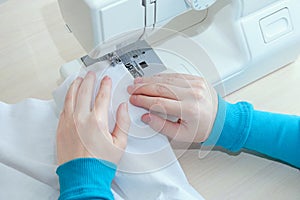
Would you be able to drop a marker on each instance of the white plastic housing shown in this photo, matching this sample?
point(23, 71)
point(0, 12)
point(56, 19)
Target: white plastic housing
point(95, 21)
point(244, 39)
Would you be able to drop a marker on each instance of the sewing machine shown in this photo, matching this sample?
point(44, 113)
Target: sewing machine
point(229, 42)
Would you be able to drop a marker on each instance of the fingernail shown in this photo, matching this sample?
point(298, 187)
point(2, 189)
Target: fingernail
point(106, 78)
point(146, 118)
point(132, 98)
point(78, 78)
point(90, 73)
point(138, 80)
point(130, 89)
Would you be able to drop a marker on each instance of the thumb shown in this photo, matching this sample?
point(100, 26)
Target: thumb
point(120, 132)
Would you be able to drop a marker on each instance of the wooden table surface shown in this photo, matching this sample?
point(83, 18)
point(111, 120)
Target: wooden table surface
point(34, 43)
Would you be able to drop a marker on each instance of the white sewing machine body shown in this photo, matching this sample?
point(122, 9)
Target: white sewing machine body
point(239, 40)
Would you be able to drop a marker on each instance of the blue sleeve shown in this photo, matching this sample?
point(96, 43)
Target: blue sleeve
point(86, 178)
point(239, 126)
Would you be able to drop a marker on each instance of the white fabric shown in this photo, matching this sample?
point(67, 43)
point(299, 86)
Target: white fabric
point(148, 169)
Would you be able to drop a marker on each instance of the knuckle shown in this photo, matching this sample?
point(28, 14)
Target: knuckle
point(160, 89)
point(200, 83)
point(192, 111)
point(101, 122)
point(158, 101)
point(199, 95)
point(144, 89)
point(169, 80)
point(179, 75)
point(102, 95)
point(196, 94)
point(137, 88)
point(79, 118)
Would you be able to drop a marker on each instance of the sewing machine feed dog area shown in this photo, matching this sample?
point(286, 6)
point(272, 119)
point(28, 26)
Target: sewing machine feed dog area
point(138, 58)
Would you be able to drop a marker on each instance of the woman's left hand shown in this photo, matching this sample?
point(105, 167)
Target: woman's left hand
point(189, 98)
point(83, 130)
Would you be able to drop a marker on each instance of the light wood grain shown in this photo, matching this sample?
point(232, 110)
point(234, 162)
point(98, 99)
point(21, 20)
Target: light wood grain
point(34, 44)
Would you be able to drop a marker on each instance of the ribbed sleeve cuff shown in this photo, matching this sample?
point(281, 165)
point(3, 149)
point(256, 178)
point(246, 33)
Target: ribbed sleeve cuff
point(218, 124)
point(86, 178)
point(232, 125)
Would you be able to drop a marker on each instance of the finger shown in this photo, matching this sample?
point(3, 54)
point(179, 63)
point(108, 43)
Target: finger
point(103, 98)
point(70, 99)
point(169, 80)
point(85, 93)
point(158, 90)
point(157, 104)
point(161, 125)
point(121, 129)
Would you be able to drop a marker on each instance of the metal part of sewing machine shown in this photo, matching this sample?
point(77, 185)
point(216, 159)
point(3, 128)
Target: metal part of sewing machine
point(242, 40)
point(138, 58)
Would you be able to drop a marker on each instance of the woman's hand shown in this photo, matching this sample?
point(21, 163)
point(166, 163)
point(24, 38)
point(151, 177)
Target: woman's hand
point(83, 130)
point(189, 98)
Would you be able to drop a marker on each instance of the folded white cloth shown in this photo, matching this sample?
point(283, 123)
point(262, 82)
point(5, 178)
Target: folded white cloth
point(148, 169)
